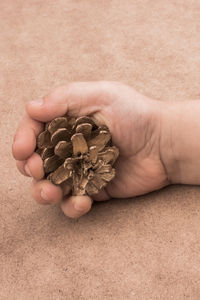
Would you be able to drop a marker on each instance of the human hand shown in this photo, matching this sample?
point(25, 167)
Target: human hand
point(134, 123)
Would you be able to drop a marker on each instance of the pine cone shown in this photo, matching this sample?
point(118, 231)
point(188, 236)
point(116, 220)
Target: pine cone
point(77, 153)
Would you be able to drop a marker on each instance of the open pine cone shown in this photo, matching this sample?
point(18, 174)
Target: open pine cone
point(77, 153)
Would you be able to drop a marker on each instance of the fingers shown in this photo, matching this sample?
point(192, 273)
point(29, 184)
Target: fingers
point(20, 166)
point(25, 139)
point(44, 192)
point(81, 98)
point(32, 167)
point(76, 206)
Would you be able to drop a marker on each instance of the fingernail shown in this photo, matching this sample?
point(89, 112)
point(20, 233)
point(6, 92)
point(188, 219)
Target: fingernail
point(27, 170)
point(37, 102)
point(44, 196)
point(78, 208)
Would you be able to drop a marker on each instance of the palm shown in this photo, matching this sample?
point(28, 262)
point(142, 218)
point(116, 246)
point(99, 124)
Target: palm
point(136, 177)
point(139, 169)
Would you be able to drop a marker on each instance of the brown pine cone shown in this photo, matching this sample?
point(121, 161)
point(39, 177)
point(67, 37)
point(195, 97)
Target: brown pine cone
point(77, 153)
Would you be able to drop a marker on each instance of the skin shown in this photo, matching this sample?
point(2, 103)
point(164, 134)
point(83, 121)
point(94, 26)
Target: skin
point(143, 129)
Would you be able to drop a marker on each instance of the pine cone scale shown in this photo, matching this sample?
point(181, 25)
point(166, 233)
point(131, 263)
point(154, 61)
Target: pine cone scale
point(100, 140)
point(47, 152)
point(44, 140)
point(85, 129)
point(109, 156)
point(104, 169)
point(57, 123)
point(93, 154)
point(79, 144)
point(63, 149)
point(108, 176)
point(91, 189)
point(84, 119)
point(61, 134)
point(60, 175)
point(52, 163)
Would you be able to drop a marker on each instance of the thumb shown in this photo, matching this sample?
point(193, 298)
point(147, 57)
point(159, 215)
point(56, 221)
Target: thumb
point(75, 99)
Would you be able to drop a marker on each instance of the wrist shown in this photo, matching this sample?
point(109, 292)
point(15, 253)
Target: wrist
point(179, 142)
point(169, 117)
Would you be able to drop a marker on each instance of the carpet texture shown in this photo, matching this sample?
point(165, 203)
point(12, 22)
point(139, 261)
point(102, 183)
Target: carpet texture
point(142, 248)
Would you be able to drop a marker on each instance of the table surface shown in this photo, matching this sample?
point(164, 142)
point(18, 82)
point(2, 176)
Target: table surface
point(142, 248)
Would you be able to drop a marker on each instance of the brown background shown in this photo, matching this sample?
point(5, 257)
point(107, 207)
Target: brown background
point(143, 248)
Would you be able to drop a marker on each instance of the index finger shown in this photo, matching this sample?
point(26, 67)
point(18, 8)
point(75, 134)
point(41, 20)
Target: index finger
point(75, 99)
point(24, 142)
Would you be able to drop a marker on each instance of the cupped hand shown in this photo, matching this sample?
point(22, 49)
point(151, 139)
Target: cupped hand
point(134, 122)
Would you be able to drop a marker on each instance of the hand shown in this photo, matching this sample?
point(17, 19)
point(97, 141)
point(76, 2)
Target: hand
point(134, 122)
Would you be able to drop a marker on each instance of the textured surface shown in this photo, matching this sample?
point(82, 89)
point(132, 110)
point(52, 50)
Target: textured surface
point(143, 248)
